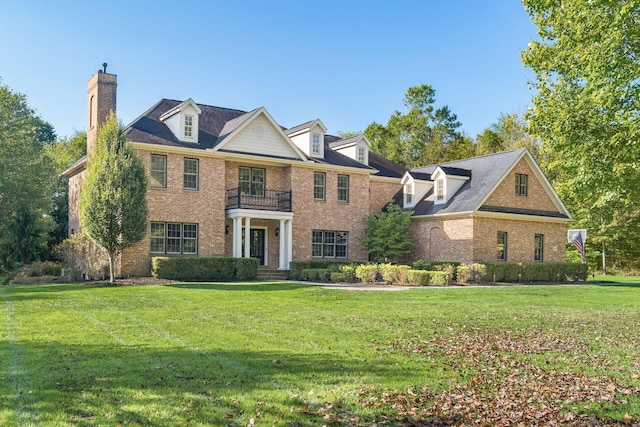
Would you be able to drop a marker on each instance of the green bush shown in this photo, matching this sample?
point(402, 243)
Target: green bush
point(42, 268)
point(439, 278)
point(367, 273)
point(296, 267)
point(470, 273)
point(316, 274)
point(349, 272)
point(448, 267)
point(338, 277)
point(418, 277)
point(204, 268)
point(394, 273)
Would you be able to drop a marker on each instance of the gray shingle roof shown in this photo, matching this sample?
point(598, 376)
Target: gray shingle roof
point(485, 173)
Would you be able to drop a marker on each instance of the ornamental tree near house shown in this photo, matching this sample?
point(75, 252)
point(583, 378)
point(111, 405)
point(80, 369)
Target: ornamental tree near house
point(113, 208)
point(387, 233)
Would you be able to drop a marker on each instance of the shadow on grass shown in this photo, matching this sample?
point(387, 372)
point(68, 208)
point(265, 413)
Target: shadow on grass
point(160, 386)
point(619, 284)
point(244, 286)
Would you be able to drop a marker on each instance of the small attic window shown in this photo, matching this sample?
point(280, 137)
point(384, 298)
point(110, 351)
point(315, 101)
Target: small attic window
point(188, 126)
point(439, 190)
point(362, 151)
point(408, 194)
point(315, 144)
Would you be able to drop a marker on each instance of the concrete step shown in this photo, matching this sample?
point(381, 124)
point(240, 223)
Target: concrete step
point(268, 274)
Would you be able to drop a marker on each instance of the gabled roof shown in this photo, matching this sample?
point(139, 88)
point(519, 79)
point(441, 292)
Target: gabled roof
point(349, 141)
point(486, 173)
point(305, 126)
point(386, 168)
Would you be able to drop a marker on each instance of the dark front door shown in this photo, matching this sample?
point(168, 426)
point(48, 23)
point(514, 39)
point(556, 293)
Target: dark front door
point(257, 244)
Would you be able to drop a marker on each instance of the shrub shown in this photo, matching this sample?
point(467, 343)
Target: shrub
point(349, 272)
point(418, 277)
point(367, 273)
point(470, 273)
point(439, 278)
point(394, 273)
point(338, 277)
point(448, 267)
point(514, 272)
point(42, 268)
point(316, 274)
point(204, 268)
point(296, 267)
point(83, 257)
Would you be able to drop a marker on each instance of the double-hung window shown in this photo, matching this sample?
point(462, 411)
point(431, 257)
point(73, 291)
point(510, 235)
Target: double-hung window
point(158, 170)
point(252, 181)
point(188, 126)
point(521, 184)
point(538, 247)
point(502, 246)
point(319, 185)
point(361, 154)
point(439, 189)
point(191, 174)
point(329, 244)
point(343, 188)
point(315, 144)
point(174, 238)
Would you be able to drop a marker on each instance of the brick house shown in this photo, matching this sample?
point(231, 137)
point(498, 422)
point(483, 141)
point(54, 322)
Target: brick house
point(236, 183)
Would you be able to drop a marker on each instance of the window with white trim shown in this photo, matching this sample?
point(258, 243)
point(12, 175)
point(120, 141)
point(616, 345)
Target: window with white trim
point(361, 154)
point(191, 174)
point(439, 189)
point(343, 188)
point(158, 170)
point(319, 185)
point(174, 238)
point(315, 144)
point(408, 194)
point(188, 126)
point(329, 244)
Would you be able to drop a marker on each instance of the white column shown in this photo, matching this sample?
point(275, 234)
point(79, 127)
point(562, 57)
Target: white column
point(289, 242)
point(237, 237)
point(283, 234)
point(247, 237)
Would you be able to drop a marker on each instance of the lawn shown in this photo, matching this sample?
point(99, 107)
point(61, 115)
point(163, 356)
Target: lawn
point(287, 354)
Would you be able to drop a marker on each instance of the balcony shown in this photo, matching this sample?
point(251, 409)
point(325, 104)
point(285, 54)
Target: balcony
point(272, 200)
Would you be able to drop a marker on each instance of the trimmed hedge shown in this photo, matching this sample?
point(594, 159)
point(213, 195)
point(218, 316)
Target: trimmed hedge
point(418, 277)
point(296, 267)
point(215, 269)
point(316, 274)
point(527, 272)
point(448, 267)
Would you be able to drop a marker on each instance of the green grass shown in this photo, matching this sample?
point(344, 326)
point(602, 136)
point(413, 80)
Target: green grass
point(616, 279)
point(287, 354)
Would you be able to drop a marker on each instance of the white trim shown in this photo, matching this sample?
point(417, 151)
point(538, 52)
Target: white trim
point(278, 129)
point(317, 122)
point(258, 214)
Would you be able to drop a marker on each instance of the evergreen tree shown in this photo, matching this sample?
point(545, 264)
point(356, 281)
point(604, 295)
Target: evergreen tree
point(387, 233)
point(113, 208)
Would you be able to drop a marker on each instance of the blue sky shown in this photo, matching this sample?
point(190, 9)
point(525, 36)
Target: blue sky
point(348, 63)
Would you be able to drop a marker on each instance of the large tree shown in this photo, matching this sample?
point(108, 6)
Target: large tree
point(587, 113)
point(509, 132)
point(113, 208)
point(25, 179)
point(386, 235)
point(420, 136)
point(62, 153)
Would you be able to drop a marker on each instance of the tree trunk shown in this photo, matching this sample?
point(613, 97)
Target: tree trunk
point(604, 260)
point(111, 266)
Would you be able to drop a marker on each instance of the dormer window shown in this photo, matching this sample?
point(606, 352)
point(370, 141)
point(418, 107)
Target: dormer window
point(188, 126)
point(439, 190)
point(315, 144)
point(408, 194)
point(361, 154)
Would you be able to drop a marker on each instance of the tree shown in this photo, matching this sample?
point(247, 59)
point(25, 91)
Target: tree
point(420, 136)
point(509, 132)
point(62, 153)
point(586, 112)
point(25, 178)
point(387, 233)
point(113, 208)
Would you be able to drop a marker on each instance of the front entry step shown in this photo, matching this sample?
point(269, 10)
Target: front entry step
point(269, 274)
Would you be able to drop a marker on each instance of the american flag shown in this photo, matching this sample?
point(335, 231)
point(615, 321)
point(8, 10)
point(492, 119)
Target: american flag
point(579, 245)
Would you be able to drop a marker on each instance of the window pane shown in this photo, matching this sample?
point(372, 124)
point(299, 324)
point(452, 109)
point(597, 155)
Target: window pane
point(341, 244)
point(173, 238)
point(502, 246)
point(157, 237)
point(191, 174)
point(158, 171)
point(343, 188)
point(319, 179)
point(190, 238)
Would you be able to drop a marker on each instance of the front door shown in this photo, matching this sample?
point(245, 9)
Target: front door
point(256, 244)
